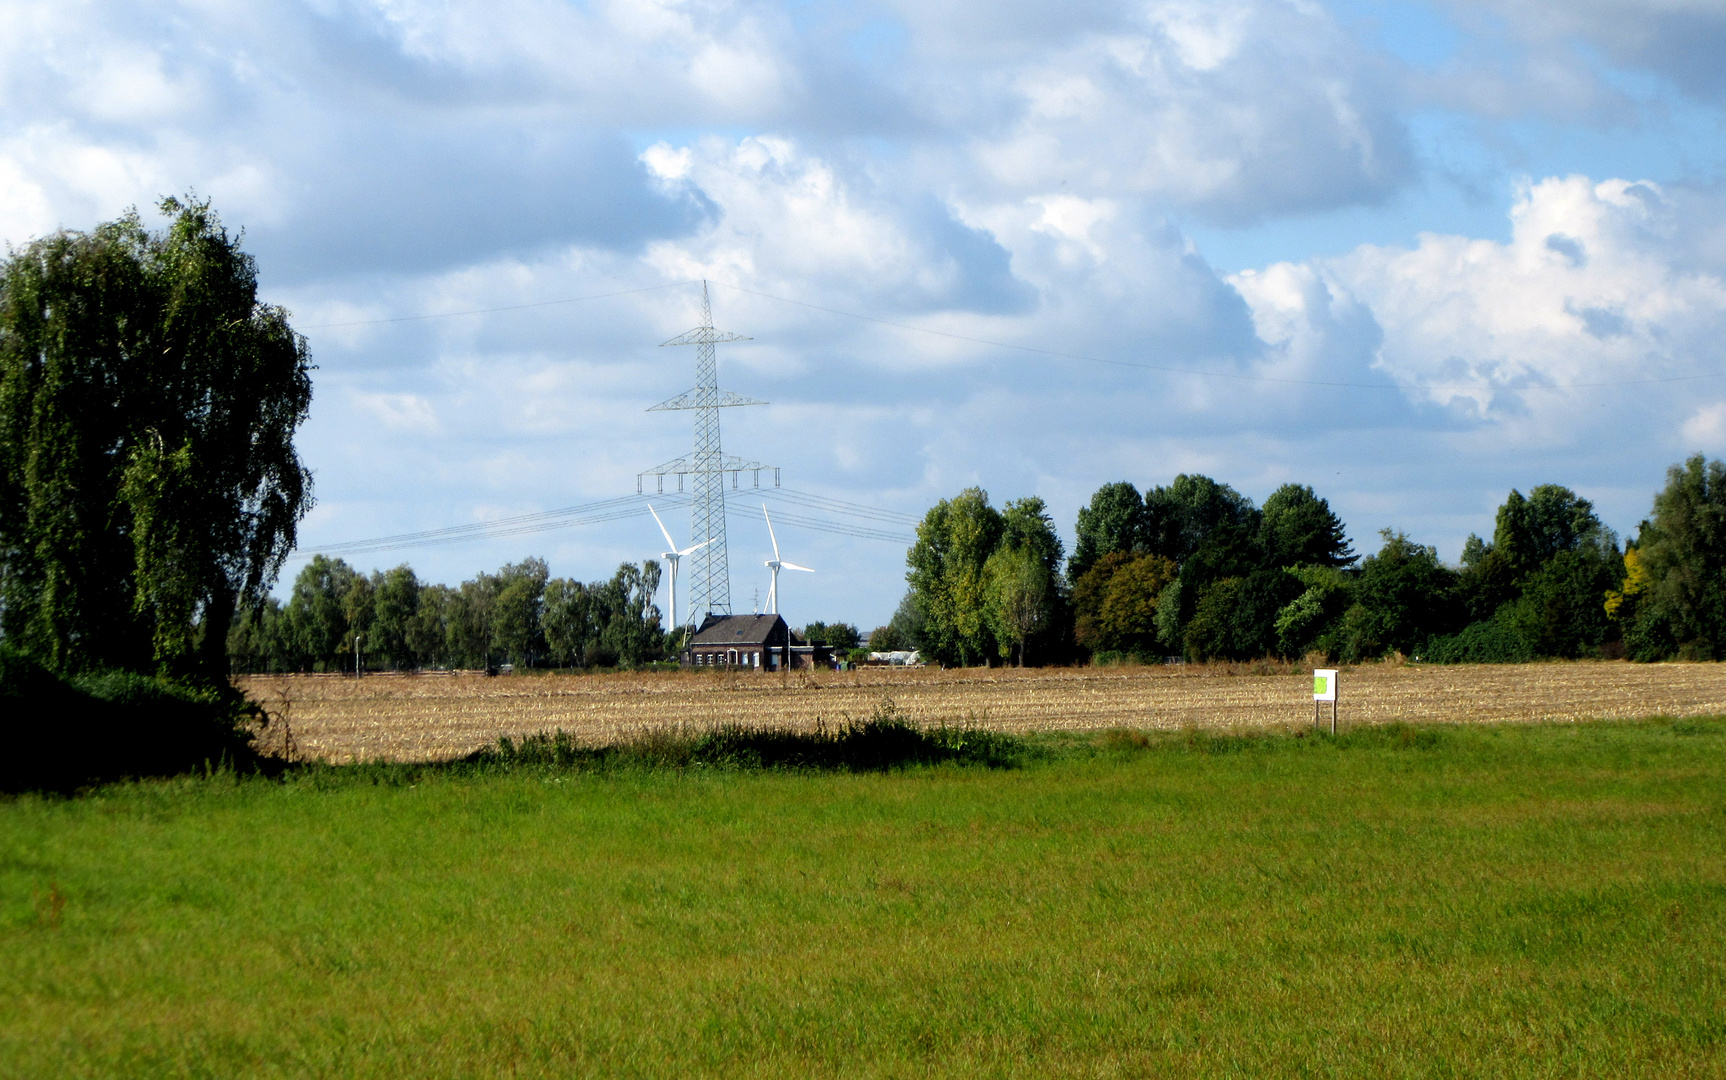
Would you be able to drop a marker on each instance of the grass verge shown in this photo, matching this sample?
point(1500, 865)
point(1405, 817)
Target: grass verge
point(1517, 900)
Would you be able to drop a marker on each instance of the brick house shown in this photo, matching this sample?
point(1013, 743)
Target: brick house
point(756, 642)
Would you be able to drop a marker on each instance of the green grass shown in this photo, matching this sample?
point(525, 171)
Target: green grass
point(1515, 901)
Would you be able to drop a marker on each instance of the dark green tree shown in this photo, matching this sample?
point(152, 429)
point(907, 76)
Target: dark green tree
point(1543, 579)
point(568, 622)
point(1405, 597)
point(515, 626)
point(836, 635)
point(904, 631)
point(317, 622)
point(1551, 519)
point(1114, 522)
point(395, 602)
point(1682, 552)
point(428, 632)
point(148, 478)
point(1180, 518)
point(1297, 528)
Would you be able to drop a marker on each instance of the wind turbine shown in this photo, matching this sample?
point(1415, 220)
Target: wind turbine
point(776, 565)
point(671, 557)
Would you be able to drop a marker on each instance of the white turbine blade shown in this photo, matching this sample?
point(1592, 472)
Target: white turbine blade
point(693, 547)
point(770, 535)
point(794, 566)
point(669, 542)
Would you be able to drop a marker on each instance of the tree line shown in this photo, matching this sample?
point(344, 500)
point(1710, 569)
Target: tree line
point(519, 615)
point(1196, 571)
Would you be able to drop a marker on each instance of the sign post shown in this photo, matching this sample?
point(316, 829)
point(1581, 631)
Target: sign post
point(1324, 689)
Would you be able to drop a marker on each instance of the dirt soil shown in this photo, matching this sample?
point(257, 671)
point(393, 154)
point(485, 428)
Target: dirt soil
point(435, 716)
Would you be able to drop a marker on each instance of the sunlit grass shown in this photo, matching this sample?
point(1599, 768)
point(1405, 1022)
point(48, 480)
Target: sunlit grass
point(1460, 901)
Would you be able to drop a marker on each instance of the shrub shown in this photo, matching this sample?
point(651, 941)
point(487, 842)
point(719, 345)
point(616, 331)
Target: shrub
point(1486, 642)
point(61, 734)
point(883, 741)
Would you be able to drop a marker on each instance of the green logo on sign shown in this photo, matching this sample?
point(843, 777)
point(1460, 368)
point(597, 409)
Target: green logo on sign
point(1318, 684)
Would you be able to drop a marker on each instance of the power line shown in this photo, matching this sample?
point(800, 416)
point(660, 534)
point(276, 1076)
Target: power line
point(840, 506)
point(495, 310)
point(482, 526)
point(629, 506)
point(837, 528)
point(590, 514)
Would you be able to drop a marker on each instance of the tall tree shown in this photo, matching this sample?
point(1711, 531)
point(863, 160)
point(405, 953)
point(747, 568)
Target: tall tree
point(1297, 528)
point(515, 625)
point(568, 621)
point(317, 621)
point(148, 478)
point(1682, 550)
point(395, 601)
point(428, 633)
point(1181, 518)
point(1020, 597)
point(629, 627)
point(1407, 596)
point(1114, 522)
point(954, 541)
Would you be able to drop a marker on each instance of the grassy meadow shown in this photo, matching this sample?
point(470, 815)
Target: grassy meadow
point(1504, 900)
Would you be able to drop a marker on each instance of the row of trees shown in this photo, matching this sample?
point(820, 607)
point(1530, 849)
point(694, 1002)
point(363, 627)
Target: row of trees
point(519, 615)
point(1196, 570)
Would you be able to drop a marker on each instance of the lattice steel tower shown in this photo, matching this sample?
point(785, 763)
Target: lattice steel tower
point(710, 580)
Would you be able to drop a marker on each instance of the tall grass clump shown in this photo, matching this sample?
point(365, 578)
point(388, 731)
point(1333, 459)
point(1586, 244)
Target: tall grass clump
point(882, 741)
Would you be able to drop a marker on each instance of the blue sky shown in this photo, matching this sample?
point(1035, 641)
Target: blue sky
point(1413, 254)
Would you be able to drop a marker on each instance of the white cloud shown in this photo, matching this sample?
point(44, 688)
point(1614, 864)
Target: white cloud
point(1235, 110)
point(1706, 428)
point(1587, 290)
point(1679, 40)
point(400, 412)
point(1016, 172)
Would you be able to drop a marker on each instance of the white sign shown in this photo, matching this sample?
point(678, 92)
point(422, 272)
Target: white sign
point(1324, 684)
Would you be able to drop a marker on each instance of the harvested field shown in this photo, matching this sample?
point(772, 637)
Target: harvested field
point(435, 716)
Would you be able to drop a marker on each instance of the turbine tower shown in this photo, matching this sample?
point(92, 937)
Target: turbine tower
point(710, 580)
point(671, 557)
point(775, 565)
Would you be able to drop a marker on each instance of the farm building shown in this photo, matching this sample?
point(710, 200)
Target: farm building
point(758, 642)
point(762, 642)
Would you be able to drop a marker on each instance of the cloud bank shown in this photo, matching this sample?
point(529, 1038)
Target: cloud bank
point(961, 238)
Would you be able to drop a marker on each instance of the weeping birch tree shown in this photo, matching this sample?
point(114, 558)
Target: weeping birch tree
point(149, 485)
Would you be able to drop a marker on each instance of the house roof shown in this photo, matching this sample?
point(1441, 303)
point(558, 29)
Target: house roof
point(736, 630)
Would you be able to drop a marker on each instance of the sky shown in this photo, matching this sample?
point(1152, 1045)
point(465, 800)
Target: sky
point(1414, 254)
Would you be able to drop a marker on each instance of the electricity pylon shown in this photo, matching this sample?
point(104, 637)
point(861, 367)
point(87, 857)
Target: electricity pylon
point(710, 578)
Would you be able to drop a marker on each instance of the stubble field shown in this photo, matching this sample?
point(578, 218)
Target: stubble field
point(439, 716)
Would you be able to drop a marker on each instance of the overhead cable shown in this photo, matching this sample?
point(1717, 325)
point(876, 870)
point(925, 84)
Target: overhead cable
point(495, 310)
point(840, 506)
point(611, 510)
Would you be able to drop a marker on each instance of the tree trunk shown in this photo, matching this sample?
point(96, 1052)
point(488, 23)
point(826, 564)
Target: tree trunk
point(212, 660)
